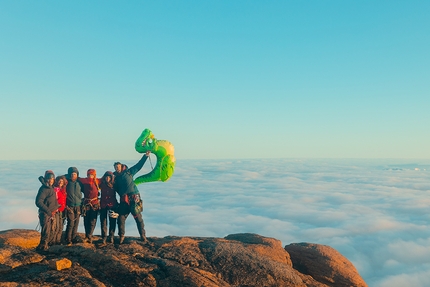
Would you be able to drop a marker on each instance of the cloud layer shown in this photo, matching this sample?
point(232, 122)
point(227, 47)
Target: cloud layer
point(375, 212)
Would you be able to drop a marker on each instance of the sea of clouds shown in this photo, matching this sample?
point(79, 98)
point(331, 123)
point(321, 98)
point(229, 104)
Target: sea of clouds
point(374, 212)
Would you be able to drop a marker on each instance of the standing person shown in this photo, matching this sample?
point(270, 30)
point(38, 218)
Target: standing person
point(130, 200)
point(48, 205)
point(73, 204)
point(108, 206)
point(91, 204)
point(60, 191)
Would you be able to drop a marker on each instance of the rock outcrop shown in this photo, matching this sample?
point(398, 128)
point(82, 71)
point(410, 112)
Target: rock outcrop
point(236, 260)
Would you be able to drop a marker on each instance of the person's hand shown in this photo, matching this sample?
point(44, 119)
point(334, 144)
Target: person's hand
point(148, 153)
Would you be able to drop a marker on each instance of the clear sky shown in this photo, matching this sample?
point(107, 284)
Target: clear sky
point(219, 79)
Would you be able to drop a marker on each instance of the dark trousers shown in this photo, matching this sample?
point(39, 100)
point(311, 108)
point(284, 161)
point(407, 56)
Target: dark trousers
point(46, 233)
point(90, 221)
point(73, 214)
point(103, 222)
point(59, 225)
point(124, 211)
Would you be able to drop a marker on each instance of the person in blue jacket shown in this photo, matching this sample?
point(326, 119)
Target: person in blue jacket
point(130, 200)
point(73, 204)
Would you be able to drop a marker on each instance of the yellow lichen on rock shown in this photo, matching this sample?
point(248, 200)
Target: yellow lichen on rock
point(20, 237)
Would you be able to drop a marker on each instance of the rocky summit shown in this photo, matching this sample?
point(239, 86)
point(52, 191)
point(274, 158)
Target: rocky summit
point(235, 260)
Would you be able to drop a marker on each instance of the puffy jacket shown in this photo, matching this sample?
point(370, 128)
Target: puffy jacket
point(46, 200)
point(74, 189)
point(108, 195)
point(90, 188)
point(124, 183)
point(61, 197)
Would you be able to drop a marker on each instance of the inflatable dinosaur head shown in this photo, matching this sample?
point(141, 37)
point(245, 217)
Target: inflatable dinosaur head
point(146, 142)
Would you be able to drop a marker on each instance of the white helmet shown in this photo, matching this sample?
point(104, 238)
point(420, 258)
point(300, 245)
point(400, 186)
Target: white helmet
point(112, 214)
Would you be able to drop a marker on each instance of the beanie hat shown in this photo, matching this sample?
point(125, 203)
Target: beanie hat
point(49, 174)
point(91, 171)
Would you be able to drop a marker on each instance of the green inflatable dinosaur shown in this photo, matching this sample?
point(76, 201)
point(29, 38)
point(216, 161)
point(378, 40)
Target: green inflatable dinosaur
point(164, 151)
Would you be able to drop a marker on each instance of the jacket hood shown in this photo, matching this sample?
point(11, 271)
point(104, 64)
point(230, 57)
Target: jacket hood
point(43, 181)
point(108, 173)
point(71, 170)
point(49, 174)
point(57, 179)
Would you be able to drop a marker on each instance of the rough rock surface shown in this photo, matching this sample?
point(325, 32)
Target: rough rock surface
point(324, 264)
point(236, 260)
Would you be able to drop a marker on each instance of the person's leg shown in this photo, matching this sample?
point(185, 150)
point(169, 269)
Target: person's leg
point(70, 224)
point(92, 222)
point(112, 225)
point(103, 223)
point(121, 227)
point(56, 236)
point(60, 227)
point(45, 224)
point(140, 227)
point(86, 224)
point(77, 214)
point(123, 211)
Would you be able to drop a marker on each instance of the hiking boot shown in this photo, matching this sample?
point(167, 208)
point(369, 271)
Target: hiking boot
point(121, 239)
point(143, 239)
point(104, 240)
point(110, 239)
point(88, 240)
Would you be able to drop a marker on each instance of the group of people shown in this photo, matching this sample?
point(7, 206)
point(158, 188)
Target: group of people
point(68, 197)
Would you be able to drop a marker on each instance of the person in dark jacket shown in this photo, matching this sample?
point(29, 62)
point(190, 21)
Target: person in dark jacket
point(73, 204)
point(47, 203)
point(91, 204)
point(108, 206)
point(130, 200)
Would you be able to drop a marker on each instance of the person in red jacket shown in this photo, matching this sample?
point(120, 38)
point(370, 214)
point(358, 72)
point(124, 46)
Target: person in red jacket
point(108, 207)
point(60, 191)
point(91, 203)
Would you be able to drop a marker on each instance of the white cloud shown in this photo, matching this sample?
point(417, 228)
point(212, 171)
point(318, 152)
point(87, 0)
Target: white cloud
point(412, 279)
point(375, 216)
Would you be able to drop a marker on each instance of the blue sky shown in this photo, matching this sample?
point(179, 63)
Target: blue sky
point(219, 79)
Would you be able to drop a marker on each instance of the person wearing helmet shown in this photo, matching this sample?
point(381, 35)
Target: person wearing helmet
point(108, 207)
point(130, 200)
point(91, 204)
point(48, 206)
point(74, 191)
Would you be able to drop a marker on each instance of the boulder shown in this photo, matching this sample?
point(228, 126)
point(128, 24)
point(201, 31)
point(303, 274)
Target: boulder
point(324, 264)
point(60, 264)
